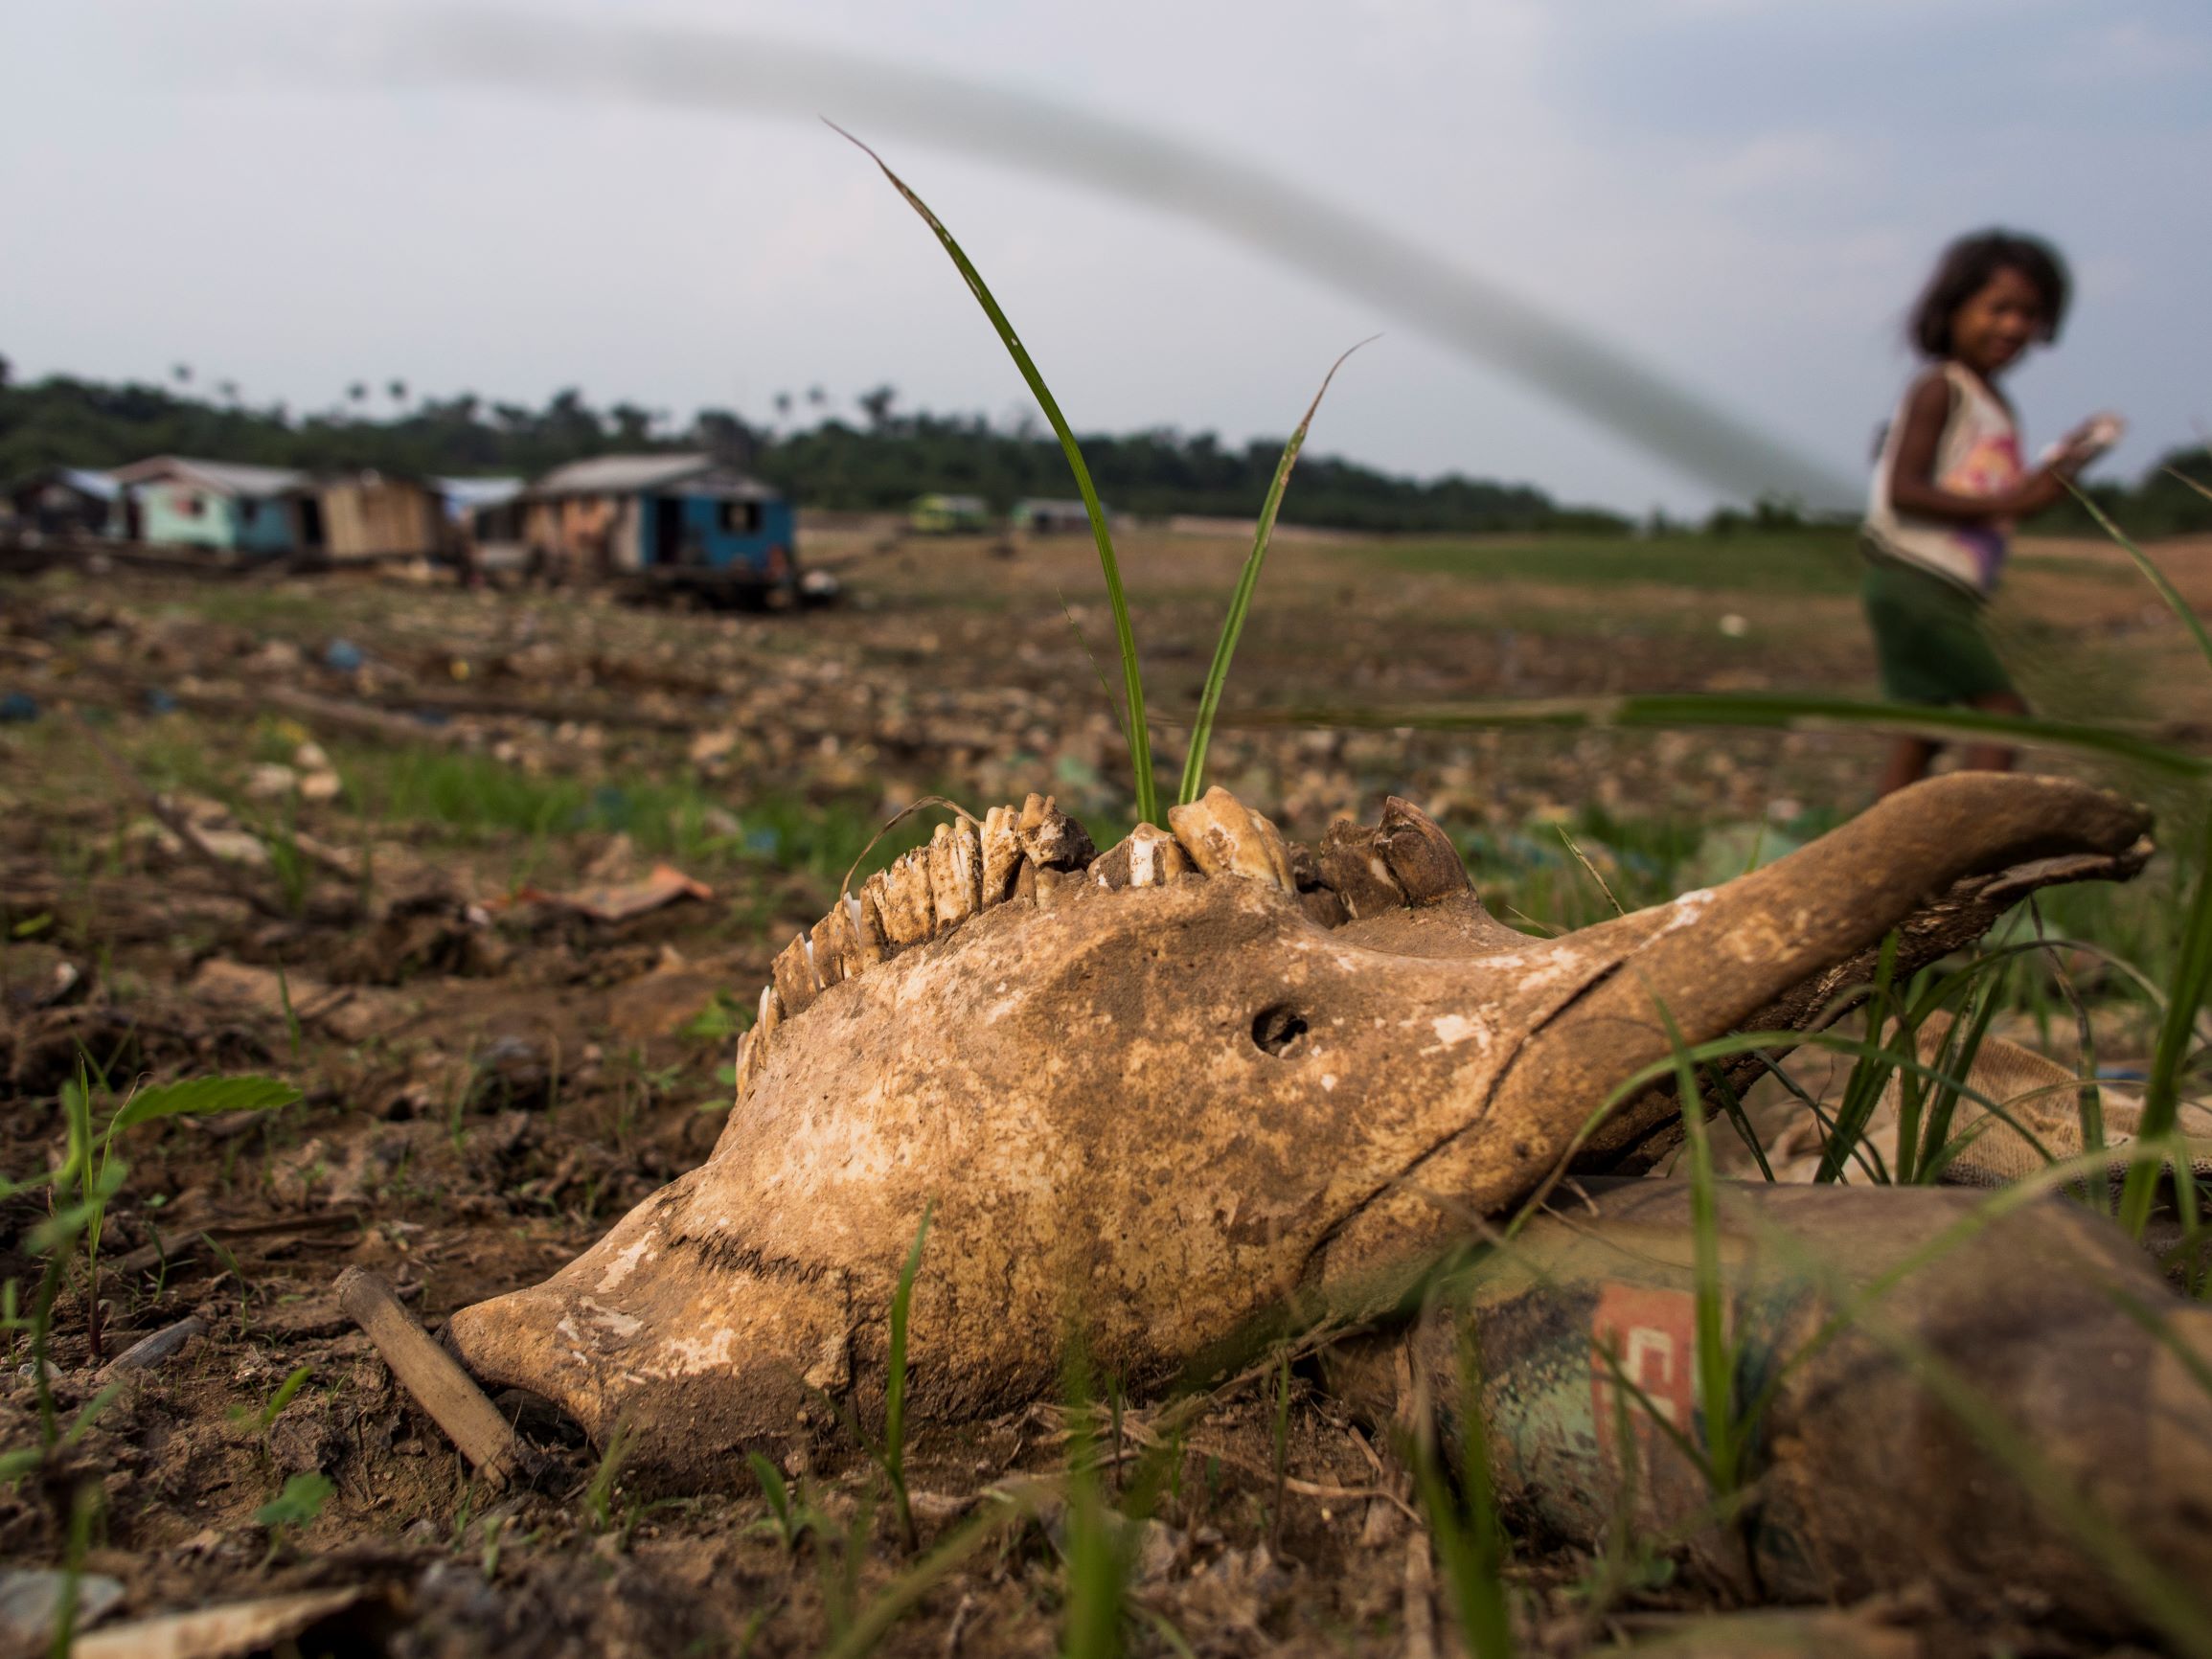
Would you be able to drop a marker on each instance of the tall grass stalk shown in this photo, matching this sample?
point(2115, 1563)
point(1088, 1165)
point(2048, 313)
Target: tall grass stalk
point(2192, 970)
point(1753, 710)
point(1468, 1534)
point(874, 1621)
point(1132, 677)
point(892, 1456)
point(1725, 1431)
point(1193, 781)
point(2152, 574)
point(1098, 1541)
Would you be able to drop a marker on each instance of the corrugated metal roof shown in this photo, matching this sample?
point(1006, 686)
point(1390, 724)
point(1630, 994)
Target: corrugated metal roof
point(477, 491)
point(102, 485)
point(225, 477)
point(84, 480)
point(631, 474)
point(620, 474)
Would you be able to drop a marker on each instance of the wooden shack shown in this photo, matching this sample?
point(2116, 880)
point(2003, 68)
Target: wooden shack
point(370, 516)
point(681, 519)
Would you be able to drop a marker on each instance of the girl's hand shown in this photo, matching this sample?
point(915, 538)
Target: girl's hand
point(2086, 442)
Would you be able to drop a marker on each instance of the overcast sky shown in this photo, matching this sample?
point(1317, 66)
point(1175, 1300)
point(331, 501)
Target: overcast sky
point(1743, 194)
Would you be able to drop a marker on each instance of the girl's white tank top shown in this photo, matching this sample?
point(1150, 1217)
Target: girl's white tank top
point(1978, 454)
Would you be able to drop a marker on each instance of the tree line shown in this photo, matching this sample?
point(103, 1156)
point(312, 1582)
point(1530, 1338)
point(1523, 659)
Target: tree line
point(881, 462)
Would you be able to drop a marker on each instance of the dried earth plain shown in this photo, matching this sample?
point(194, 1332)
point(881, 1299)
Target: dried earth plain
point(493, 878)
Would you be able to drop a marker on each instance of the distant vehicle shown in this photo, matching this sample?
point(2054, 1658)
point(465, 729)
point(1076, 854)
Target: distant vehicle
point(949, 515)
point(684, 523)
point(1051, 517)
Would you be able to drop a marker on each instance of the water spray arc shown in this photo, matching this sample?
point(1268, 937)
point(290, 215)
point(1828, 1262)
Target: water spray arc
point(698, 69)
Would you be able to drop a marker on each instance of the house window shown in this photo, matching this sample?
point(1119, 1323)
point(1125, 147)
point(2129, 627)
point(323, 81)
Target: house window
point(739, 518)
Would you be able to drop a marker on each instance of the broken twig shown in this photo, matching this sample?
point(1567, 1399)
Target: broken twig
point(440, 1386)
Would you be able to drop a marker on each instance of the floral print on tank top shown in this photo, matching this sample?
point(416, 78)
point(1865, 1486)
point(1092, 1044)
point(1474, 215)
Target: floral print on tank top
point(1991, 466)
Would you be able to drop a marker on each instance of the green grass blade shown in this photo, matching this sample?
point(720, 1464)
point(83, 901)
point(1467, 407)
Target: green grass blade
point(2192, 978)
point(903, 1593)
point(1758, 710)
point(895, 1383)
point(1715, 1368)
point(1241, 601)
point(2152, 574)
point(1132, 679)
point(2175, 472)
point(1869, 1072)
point(1478, 1591)
point(1957, 1060)
point(202, 1097)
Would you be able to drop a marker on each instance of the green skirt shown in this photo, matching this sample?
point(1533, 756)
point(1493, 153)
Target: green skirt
point(1929, 638)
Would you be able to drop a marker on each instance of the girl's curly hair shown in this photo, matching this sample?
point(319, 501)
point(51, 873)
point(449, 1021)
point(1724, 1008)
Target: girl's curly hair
point(1966, 267)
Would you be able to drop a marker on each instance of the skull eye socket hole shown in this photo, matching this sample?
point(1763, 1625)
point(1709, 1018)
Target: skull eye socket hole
point(1278, 1029)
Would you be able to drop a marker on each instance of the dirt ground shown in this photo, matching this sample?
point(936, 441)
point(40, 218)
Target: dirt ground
point(398, 845)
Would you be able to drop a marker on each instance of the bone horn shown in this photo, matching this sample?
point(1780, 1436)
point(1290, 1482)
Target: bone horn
point(1712, 959)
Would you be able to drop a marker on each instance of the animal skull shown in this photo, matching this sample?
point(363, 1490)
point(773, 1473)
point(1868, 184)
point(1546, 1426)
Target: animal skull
point(1150, 1095)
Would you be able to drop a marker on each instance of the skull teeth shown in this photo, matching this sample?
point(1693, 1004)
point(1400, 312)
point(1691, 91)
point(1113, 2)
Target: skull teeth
point(955, 873)
point(1002, 856)
point(1225, 837)
point(1025, 852)
point(1149, 858)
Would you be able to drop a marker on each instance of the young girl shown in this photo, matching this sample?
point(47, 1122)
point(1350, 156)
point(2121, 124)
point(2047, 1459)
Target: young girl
point(1949, 482)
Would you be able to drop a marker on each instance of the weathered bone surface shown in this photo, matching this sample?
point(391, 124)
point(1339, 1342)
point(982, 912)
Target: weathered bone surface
point(1153, 1093)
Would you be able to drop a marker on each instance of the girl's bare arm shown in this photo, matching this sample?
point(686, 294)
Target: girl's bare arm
point(1913, 485)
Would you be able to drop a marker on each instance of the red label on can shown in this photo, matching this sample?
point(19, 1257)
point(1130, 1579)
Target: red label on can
point(1652, 1336)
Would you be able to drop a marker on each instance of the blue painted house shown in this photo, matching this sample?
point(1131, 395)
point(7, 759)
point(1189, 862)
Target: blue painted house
point(676, 521)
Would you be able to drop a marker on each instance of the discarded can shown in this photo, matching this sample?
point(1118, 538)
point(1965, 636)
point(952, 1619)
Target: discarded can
point(1919, 1386)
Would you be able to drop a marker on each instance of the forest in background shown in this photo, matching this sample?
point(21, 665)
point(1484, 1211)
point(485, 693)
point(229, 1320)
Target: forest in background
point(881, 460)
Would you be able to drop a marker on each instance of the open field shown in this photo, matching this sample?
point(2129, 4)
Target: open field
point(365, 835)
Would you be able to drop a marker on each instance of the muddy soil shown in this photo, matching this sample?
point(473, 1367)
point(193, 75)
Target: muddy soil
point(492, 876)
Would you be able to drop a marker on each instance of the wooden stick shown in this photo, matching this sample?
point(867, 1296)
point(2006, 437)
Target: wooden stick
point(440, 1386)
